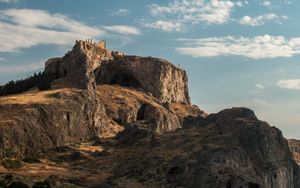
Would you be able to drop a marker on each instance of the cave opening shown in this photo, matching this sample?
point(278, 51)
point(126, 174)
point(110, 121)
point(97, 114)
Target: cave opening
point(125, 80)
point(141, 113)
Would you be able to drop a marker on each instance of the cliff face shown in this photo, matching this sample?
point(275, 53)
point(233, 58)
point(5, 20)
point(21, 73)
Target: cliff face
point(163, 80)
point(295, 149)
point(159, 77)
point(77, 66)
point(35, 123)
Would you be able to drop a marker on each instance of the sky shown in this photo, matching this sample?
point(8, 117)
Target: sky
point(236, 53)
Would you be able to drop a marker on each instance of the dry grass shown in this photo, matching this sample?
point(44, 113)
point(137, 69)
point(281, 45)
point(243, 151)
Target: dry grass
point(118, 100)
point(87, 147)
point(184, 110)
point(34, 97)
point(116, 96)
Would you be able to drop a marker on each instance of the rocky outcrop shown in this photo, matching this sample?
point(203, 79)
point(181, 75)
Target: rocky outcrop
point(295, 149)
point(163, 80)
point(55, 118)
point(77, 66)
point(159, 77)
point(83, 114)
point(127, 105)
point(229, 149)
point(69, 115)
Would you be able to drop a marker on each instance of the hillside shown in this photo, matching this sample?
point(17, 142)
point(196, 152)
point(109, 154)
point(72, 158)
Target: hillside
point(113, 120)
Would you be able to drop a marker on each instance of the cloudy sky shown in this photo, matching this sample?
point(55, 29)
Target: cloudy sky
point(236, 52)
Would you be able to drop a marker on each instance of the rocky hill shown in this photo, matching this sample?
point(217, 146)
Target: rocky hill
point(113, 120)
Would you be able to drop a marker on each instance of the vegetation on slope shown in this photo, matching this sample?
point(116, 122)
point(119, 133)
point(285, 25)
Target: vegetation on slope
point(41, 80)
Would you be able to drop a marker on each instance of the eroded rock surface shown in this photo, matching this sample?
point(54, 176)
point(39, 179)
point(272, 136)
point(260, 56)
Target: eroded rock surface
point(159, 77)
point(127, 105)
point(49, 119)
point(295, 149)
point(229, 149)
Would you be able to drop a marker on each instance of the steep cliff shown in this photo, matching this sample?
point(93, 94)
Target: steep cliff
point(34, 122)
point(295, 149)
point(159, 77)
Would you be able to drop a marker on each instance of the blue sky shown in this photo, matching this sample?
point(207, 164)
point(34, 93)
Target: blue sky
point(236, 53)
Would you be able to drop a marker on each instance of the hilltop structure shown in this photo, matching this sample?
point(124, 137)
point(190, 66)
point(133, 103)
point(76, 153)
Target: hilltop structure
point(90, 61)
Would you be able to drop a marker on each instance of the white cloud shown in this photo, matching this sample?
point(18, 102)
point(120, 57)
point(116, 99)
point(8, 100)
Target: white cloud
point(241, 3)
point(185, 12)
point(165, 25)
point(25, 28)
point(258, 47)
point(267, 3)
point(261, 19)
point(2, 59)
point(293, 84)
point(123, 29)
point(9, 69)
point(259, 86)
point(9, 1)
point(121, 12)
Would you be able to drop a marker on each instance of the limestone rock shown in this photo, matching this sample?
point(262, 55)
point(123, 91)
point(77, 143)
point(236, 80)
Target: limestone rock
point(295, 149)
point(77, 66)
point(127, 105)
point(163, 80)
point(86, 60)
point(34, 124)
point(231, 149)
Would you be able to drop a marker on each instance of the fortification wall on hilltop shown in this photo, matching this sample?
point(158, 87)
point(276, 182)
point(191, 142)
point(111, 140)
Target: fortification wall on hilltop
point(159, 77)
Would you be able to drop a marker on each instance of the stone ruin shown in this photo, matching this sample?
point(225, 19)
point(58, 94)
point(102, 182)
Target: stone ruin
point(91, 63)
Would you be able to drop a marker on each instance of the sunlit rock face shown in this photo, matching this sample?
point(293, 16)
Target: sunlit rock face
point(162, 79)
point(295, 149)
